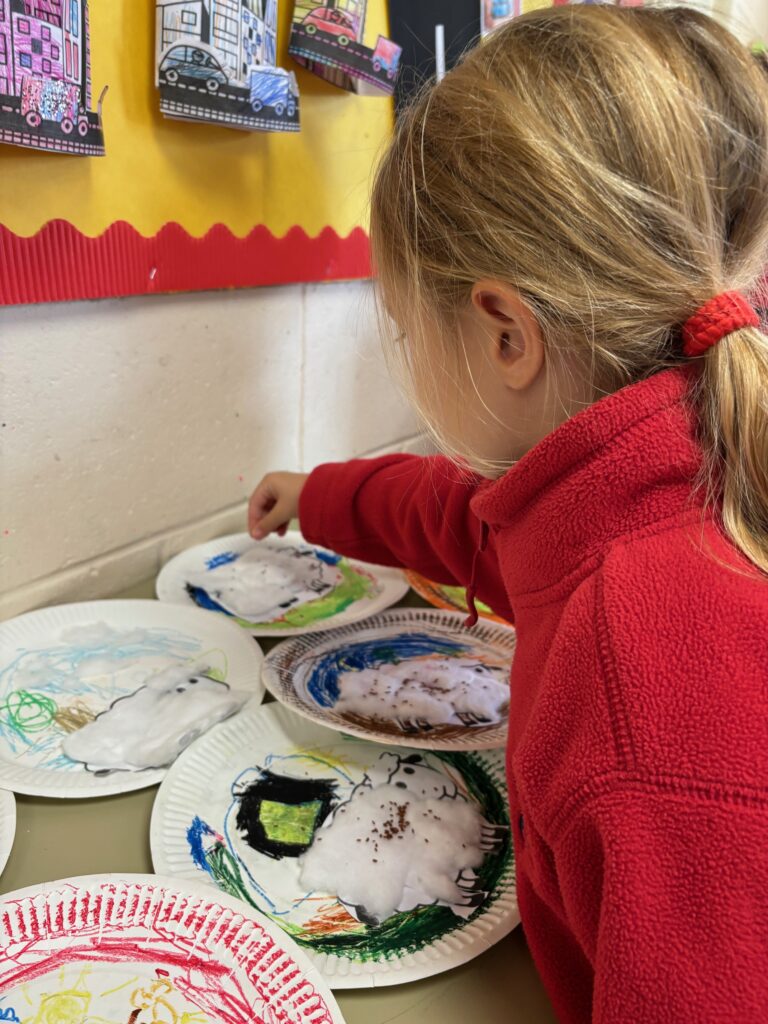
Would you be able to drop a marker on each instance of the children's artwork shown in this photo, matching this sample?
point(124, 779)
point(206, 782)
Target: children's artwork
point(442, 595)
point(100, 697)
point(45, 77)
point(7, 826)
point(411, 677)
point(328, 39)
point(278, 587)
point(150, 727)
point(370, 858)
point(140, 949)
point(217, 62)
point(497, 12)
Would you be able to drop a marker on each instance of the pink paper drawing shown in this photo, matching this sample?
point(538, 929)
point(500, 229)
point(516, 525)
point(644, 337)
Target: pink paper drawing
point(45, 77)
point(327, 38)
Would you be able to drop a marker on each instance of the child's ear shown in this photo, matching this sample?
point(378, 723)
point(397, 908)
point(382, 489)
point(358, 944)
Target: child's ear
point(515, 342)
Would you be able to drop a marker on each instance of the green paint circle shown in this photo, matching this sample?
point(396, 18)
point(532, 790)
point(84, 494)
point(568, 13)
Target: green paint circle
point(29, 712)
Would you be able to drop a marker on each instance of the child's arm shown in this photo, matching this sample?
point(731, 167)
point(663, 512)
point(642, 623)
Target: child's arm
point(676, 918)
point(400, 510)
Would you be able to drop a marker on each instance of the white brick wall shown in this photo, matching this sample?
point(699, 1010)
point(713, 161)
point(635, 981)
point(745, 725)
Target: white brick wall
point(136, 427)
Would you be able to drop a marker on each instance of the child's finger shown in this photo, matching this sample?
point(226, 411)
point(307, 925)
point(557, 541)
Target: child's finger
point(261, 501)
point(275, 519)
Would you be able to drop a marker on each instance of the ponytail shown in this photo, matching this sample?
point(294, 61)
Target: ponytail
point(733, 409)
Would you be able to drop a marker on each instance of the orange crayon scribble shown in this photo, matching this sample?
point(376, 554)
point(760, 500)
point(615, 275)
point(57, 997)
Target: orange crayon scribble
point(335, 920)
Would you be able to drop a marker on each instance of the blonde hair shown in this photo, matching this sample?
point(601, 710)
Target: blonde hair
point(612, 165)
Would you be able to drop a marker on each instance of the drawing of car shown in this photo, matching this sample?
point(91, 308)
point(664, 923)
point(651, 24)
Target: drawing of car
point(386, 56)
point(47, 99)
point(335, 23)
point(181, 60)
point(275, 88)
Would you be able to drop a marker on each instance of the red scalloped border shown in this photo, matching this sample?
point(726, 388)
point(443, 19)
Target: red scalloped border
point(60, 263)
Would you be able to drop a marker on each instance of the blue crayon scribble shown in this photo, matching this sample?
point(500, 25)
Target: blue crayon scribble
point(203, 600)
point(9, 1014)
point(39, 685)
point(195, 833)
point(328, 557)
point(223, 559)
point(323, 683)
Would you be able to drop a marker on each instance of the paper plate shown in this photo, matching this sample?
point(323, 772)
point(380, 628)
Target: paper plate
point(143, 949)
point(61, 667)
point(441, 595)
point(287, 587)
point(304, 673)
point(209, 821)
point(7, 826)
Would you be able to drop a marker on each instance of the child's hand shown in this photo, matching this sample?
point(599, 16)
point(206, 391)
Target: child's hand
point(274, 503)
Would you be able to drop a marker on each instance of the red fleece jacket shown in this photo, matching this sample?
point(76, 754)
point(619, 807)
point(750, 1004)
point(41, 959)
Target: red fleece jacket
point(638, 739)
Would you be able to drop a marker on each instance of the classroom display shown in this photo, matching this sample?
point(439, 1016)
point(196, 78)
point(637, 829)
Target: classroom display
point(100, 697)
point(368, 857)
point(142, 949)
point(45, 78)
point(409, 677)
point(497, 12)
point(186, 206)
point(217, 62)
point(279, 587)
point(329, 39)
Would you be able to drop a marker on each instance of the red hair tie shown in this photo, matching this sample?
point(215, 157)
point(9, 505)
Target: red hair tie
point(722, 315)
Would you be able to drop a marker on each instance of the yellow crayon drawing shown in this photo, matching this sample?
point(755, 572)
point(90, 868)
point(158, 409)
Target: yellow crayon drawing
point(73, 1002)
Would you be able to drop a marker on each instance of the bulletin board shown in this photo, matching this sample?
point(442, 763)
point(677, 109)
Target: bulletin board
point(177, 207)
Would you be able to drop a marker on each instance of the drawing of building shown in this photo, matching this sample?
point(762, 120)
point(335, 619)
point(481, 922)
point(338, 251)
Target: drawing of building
point(258, 35)
point(184, 19)
point(6, 50)
point(45, 69)
point(73, 43)
point(243, 33)
point(37, 49)
point(44, 39)
point(225, 31)
point(45, 10)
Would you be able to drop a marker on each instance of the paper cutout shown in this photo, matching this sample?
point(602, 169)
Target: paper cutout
point(327, 39)
point(45, 77)
point(217, 62)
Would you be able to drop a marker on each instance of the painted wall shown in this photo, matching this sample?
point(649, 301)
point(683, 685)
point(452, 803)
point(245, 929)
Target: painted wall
point(133, 428)
point(747, 18)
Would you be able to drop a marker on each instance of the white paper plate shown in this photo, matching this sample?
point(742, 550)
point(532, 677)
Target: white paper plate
point(195, 834)
point(142, 948)
point(41, 699)
point(349, 590)
point(7, 826)
point(297, 672)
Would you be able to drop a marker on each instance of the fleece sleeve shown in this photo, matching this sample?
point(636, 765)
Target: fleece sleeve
point(673, 908)
point(407, 511)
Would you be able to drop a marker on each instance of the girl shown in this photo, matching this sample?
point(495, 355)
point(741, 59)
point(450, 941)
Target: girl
point(566, 229)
